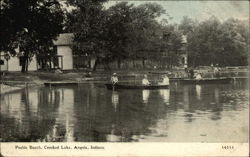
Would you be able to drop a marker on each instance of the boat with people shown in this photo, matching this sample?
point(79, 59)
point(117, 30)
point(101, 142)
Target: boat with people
point(134, 86)
point(205, 80)
point(145, 83)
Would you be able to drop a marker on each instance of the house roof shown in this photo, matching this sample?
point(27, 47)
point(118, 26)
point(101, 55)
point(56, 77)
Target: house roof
point(64, 39)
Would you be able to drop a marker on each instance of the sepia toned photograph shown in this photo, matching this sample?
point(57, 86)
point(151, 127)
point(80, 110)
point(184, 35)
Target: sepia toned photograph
point(123, 72)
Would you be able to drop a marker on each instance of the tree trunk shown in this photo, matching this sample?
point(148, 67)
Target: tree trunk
point(27, 64)
point(24, 63)
point(89, 62)
point(143, 63)
point(106, 64)
point(96, 63)
point(119, 63)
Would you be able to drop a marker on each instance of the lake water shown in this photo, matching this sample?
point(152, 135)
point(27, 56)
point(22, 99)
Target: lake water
point(91, 113)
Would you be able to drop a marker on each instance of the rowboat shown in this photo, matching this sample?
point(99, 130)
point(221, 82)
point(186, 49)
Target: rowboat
point(206, 81)
point(132, 86)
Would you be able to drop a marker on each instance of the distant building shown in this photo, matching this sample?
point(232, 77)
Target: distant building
point(63, 46)
point(13, 63)
point(71, 59)
point(184, 54)
point(65, 58)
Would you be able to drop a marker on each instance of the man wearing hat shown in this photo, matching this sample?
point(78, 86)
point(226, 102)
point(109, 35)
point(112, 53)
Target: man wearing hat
point(114, 78)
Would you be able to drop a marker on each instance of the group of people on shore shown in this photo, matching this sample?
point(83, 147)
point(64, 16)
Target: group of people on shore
point(215, 72)
point(145, 81)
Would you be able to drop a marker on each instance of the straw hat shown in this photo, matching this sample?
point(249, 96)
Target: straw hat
point(114, 74)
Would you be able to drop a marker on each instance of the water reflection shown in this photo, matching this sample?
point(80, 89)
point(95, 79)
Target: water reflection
point(145, 95)
point(115, 99)
point(198, 91)
point(165, 94)
point(217, 95)
point(95, 114)
point(186, 98)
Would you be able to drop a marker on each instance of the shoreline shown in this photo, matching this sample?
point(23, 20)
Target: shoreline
point(39, 78)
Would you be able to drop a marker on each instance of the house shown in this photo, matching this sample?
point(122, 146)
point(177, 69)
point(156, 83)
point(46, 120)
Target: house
point(13, 63)
point(71, 59)
point(63, 46)
point(65, 58)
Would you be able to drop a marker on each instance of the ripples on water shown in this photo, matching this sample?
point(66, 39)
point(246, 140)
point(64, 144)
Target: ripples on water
point(91, 113)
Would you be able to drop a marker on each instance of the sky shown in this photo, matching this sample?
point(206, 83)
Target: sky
point(200, 10)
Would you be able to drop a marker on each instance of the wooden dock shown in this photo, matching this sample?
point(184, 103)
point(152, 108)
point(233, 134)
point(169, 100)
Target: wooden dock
point(60, 83)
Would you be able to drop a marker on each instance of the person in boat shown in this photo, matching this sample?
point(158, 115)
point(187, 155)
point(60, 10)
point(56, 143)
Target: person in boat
point(185, 68)
point(216, 71)
point(114, 79)
point(165, 80)
point(198, 76)
point(186, 72)
point(145, 80)
point(191, 73)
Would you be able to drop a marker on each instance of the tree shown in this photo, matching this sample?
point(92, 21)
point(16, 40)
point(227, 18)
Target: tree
point(117, 27)
point(122, 31)
point(187, 25)
point(206, 38)
point(89, 28)
point(133, 31)
point(30, 26)
point(145, 32)
point(234, 42)
point(213, 42)
point(171, 44)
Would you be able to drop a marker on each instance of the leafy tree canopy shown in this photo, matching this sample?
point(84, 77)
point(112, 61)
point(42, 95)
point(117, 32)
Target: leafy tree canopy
point(30, 25)
point(213, 42)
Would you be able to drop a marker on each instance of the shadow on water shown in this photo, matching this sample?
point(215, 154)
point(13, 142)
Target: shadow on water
point(89, 113)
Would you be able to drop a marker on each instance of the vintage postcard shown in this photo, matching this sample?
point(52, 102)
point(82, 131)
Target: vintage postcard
point(124, 78)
